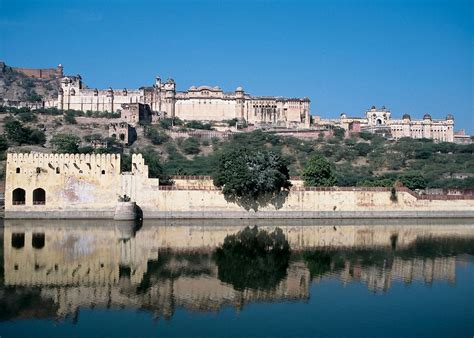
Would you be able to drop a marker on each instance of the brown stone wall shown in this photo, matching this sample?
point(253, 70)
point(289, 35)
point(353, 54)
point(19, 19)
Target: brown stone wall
point(45, 73)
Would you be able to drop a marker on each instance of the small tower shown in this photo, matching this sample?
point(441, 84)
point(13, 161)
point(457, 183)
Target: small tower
point(110, 100)
point(239, 103)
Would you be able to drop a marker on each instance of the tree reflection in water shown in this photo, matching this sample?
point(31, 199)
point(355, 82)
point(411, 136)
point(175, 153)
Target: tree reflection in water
point(253, 259)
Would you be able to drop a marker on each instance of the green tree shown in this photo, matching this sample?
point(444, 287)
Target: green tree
point(37, 137)
point(3, 143)
point(15, 132)
point(252, 178)
point(318, 172)
point(413, 181)
point(66, 143)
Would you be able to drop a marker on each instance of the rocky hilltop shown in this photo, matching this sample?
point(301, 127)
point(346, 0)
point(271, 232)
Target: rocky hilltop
point(18, 84)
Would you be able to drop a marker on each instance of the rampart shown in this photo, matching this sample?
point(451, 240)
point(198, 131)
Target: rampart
point(41, 73)
point(89, 186)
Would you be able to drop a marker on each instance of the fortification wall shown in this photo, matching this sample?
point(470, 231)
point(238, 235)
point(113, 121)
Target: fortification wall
point(173, 202)
point(39, 73)
point(69, 182)
point(88, 186)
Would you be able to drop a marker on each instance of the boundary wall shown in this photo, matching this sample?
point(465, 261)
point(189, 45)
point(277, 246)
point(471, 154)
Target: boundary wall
point(90, 186)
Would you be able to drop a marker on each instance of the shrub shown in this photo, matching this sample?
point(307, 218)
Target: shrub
point(190, 146)
point(66, 143)
point(156, 137)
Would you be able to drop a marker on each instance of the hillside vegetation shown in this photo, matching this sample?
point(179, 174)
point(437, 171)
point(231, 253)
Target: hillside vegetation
point(363, 159)
point(15, 86)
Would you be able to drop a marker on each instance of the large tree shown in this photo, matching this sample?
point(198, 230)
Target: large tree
point(318, 172)
point(252, 178)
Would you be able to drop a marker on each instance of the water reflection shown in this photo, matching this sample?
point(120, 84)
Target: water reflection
point(53, 269)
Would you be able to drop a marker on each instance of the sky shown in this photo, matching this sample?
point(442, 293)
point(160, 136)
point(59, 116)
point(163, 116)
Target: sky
point(413, 57)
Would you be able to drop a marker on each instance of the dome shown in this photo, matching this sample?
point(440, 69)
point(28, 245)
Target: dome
point(343, 115)
point(427, 117)
point(192, 88)
point(406, 117)
point(239, 89)
point(450, 117)
point(373, 107)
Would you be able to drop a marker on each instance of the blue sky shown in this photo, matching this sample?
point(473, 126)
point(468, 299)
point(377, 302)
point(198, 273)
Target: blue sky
point(411, 56)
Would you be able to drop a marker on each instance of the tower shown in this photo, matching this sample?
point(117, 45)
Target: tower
point(239, 103)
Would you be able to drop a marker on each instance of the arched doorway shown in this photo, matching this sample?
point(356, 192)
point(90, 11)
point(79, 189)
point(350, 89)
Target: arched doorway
point(39, 196)
point(18, 196)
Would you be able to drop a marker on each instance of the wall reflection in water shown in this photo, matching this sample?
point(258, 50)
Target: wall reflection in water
point(52, 269)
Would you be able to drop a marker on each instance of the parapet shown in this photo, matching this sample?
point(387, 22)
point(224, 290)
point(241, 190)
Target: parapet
point(63, 163)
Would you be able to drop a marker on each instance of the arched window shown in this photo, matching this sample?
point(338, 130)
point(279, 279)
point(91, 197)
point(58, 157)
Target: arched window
point(38, 170)
point(57, 170)
point(39, 196)
point(103, 172)
point(18, 170)
point(37, 240)
point(18, 196)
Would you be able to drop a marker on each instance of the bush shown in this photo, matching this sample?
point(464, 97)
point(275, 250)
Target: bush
point(363, 148)
point(66, 143)
point(27, 117)
point(198, 125)
point(69, 117)
point(190, 146)
point(156, 137)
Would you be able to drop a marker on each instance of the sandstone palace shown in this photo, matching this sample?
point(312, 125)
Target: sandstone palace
point(206, 103)
point(197, 103)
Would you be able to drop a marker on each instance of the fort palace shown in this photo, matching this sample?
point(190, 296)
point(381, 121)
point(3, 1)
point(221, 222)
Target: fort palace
point(196, 103)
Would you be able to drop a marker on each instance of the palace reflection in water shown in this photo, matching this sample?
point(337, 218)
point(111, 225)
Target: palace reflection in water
point(54, 269)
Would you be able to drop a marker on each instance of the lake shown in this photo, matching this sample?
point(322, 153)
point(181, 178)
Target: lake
point(357, 278)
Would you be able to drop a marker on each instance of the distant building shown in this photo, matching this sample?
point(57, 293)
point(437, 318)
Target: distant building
point(379, 120)
point(197, 103)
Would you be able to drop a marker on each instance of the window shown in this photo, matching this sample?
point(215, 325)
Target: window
point(18, 196)
point(17, 170)
point(39, 196)
point(18, 240)
point(103, 172)
point(38, 170)
point(37, 240)
point(57, 170)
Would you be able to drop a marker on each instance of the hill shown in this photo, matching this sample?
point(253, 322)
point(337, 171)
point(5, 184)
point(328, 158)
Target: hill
point(16, 86)
point(363, 159)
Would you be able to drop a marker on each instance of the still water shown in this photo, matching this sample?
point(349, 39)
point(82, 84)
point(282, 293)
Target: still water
point(343, 278)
